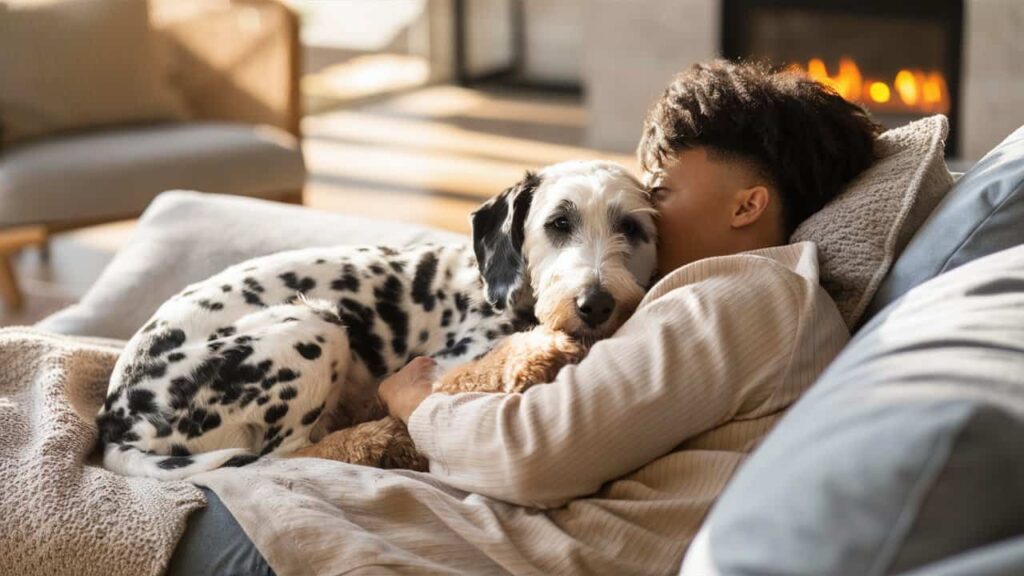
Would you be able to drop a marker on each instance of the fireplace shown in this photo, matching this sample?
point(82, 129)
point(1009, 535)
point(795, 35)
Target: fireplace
point(900, 60)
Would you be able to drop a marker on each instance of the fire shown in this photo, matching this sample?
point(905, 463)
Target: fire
point(909, 91)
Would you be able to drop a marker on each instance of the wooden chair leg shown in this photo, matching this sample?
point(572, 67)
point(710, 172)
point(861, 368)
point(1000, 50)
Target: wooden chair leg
point(9, 291)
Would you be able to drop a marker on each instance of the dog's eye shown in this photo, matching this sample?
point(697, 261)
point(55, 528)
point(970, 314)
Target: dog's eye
point(560, 224)
point(631, 229)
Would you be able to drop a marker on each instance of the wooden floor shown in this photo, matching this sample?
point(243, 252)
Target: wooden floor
point(428, 156)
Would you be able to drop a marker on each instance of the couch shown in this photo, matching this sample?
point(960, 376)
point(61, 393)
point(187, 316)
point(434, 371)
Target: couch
point(234, 69)
point(902, 459)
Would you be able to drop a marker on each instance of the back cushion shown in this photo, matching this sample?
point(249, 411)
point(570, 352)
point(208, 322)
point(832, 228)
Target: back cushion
point(982, 214)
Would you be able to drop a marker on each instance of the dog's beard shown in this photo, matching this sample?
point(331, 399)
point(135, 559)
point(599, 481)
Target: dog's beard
point(556, 307)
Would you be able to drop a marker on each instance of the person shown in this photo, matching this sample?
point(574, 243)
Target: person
point(611, 468)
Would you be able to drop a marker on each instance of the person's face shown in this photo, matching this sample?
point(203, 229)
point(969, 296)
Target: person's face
point(695, 199)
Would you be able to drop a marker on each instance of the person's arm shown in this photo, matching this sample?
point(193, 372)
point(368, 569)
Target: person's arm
point(680, 366)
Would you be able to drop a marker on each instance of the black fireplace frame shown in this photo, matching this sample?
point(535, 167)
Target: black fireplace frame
point(946, 13)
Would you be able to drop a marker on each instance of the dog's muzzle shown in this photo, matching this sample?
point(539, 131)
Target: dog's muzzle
point(595, 306)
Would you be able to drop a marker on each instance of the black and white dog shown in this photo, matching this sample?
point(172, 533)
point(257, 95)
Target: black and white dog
point(267, 356)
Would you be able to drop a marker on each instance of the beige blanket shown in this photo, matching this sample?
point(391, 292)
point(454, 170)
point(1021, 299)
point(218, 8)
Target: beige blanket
point(60, 514)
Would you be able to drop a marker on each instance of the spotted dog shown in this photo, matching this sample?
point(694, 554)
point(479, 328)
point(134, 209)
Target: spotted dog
point(272, 354)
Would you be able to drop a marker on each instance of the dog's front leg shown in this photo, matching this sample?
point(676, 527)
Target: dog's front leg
point(518, 362)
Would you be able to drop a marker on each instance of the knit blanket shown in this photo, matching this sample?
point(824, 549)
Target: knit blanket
point(60, 512)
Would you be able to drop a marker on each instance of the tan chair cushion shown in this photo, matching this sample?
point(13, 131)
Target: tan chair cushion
point(861, 232)
point(115, 173)
point(74, 64)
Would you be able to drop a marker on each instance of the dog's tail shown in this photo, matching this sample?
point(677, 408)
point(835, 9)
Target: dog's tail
point(127, 460)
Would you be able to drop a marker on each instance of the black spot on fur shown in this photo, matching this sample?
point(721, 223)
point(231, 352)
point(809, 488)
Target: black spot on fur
point(309, 351)
point(141, 401)
point(143, 370)
point(253, 284)
point(198, 421)
point(179, 450)
point(462, 303)
point(253, 298)
point(456, 348)
point(239, 461)
point(166, 341)
point(423, 336)
point(172, 462)
point(248, 395)
point(262, 400)
point(149, 327)
point(397, 265)
point(365, 343)
point(114, 427)
point(387, 250)
point(377, 269)
point(390, 310)
point(311, 416)
point(287, 393)
point(175, 357)
point(207, 304)
point(286, 375)
point(252, 291)
point(426, 269)
point(275, 413)
point(225, 288)
point(446, 318)
point(293, 282)
point(348, 281)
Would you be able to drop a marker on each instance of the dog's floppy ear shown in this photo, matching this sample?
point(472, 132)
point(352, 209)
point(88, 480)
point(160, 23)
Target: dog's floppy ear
point(498, 232)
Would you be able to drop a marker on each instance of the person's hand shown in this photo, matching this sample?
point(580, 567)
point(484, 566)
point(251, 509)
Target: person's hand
point(404, 390)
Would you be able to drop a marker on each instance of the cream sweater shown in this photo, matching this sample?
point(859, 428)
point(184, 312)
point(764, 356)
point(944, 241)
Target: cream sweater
point(608, 470)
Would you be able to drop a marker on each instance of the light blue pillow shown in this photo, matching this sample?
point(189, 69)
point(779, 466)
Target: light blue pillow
point(906, 452)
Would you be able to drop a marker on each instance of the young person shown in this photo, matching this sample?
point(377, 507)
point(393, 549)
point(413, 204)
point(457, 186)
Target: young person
point(612, 467)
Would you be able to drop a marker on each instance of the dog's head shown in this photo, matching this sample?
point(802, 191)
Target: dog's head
point(575, 241)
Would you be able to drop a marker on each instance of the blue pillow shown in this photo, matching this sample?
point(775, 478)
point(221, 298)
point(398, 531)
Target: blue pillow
point(981, 215)
point(904, 454)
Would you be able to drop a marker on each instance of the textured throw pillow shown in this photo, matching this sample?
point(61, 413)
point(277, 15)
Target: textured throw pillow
point(74, 64)
point(981, 215)
point(864, 229)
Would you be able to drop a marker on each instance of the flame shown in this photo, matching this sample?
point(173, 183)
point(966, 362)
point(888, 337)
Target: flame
point(915, 90)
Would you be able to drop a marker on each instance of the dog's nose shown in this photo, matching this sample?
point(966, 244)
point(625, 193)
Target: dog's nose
point(595, 306)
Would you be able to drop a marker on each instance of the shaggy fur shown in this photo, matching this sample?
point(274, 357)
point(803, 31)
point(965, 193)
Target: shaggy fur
point(518, 362)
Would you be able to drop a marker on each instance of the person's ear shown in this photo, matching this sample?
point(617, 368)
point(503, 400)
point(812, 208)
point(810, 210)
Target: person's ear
point(750, 205)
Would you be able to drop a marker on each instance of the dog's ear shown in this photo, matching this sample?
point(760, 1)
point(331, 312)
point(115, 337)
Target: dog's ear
point(498, 232)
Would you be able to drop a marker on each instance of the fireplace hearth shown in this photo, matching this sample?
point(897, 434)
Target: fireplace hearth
point(900, 60)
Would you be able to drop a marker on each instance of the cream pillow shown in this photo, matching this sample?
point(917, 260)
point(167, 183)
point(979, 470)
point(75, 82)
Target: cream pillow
point(73, 64)
point(861, 232)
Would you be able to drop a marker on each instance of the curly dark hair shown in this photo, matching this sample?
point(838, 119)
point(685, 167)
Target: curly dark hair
point(800, 135)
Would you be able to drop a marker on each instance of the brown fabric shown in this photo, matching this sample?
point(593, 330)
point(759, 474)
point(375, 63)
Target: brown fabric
point(58, 513)
point(610, 469)
point(74, 64)
point(862, 231)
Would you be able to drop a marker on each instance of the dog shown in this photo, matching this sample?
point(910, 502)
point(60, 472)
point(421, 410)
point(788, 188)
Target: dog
point(270, 355)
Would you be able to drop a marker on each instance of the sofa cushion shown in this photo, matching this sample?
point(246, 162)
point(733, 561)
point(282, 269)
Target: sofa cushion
point(116, 173)
point(861, 231)
point(904, 452)
point(74, 64)
point(184, 237)
point(982, 214)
